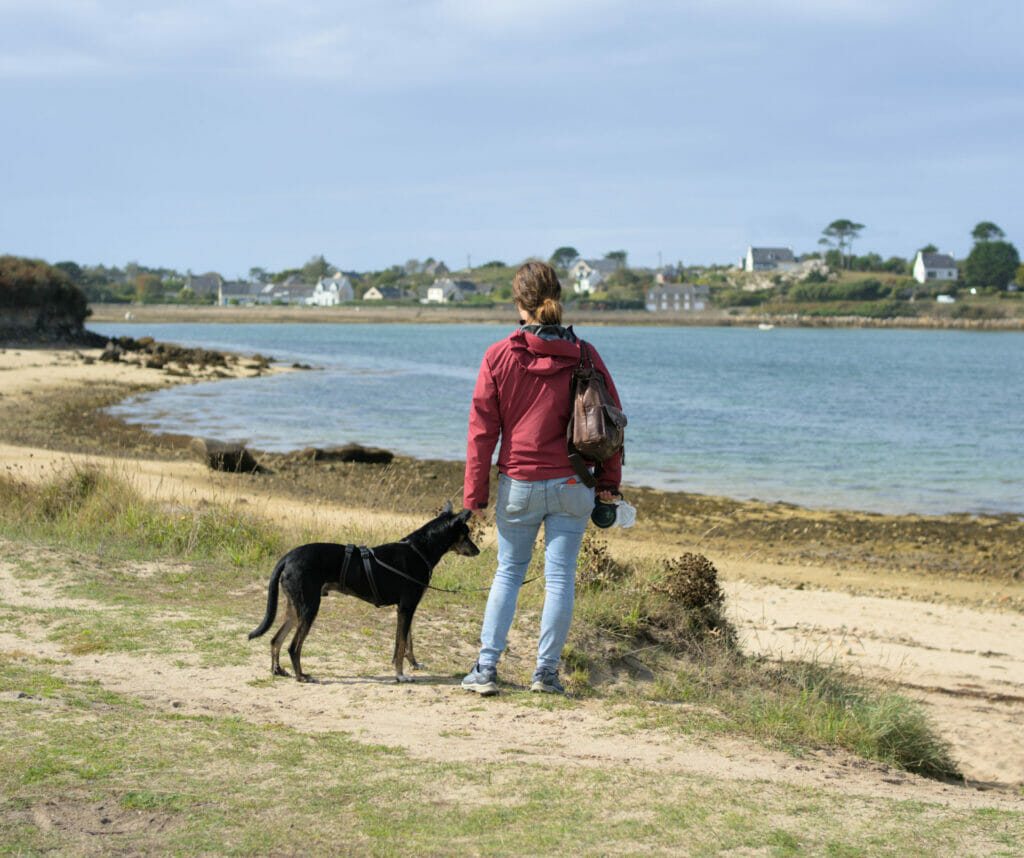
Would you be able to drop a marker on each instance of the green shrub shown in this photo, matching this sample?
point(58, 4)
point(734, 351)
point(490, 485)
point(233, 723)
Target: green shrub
point(741, 298)
point(678, 606)
point(32, 283)
point(976, 311)
point(889, 309)
point(869, 289)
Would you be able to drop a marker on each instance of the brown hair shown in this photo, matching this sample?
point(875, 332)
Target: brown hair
point(536, 289)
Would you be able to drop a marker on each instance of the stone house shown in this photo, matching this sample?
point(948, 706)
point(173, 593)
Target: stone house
point(677, 298)
point(769, 259)
point(239, 292)
point(205, 284)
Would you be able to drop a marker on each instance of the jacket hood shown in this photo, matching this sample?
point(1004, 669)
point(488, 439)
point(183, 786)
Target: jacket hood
point(545, 349)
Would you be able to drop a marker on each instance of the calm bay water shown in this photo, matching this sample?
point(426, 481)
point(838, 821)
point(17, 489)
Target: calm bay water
point(879, 420)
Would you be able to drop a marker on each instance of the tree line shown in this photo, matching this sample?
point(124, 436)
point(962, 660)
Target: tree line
point(992, 264)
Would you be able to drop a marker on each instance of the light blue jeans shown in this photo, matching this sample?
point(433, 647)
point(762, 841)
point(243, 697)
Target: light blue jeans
point(563, 507)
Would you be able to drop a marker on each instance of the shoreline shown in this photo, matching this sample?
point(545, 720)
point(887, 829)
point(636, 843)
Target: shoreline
point(53, 401)
point(469, 314)
point(931, 605)
point(918, 484)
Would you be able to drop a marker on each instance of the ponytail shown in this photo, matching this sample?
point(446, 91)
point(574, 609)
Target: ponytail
point(550, 312)
point(537, 290)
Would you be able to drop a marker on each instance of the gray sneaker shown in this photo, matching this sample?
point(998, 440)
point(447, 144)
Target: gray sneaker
point(545, 679)
point(482, 680)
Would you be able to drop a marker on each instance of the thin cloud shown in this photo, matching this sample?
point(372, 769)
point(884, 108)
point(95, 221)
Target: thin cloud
point(392, 42)
point(851, 11)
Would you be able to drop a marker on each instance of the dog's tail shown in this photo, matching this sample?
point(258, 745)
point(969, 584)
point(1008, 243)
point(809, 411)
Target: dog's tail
point(271, 601)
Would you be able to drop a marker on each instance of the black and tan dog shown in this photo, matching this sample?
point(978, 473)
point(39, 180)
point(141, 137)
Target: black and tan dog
point(396, 573)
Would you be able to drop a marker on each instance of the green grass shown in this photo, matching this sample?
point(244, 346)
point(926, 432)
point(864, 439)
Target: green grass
point(168, 784)
point(671, 613)
point(101, 511)
point(75, 754)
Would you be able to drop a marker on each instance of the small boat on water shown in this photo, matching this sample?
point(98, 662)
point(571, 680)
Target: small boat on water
point(765, 326)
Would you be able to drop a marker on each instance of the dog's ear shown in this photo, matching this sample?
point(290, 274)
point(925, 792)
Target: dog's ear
point(447, 508)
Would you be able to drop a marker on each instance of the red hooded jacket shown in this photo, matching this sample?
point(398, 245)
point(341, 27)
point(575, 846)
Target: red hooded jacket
point(522, 395)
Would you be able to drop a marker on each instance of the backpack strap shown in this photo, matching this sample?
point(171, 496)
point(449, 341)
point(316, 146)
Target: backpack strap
point(575, 459)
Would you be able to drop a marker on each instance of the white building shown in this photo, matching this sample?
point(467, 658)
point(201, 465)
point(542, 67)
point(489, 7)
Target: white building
point(934, 266)
point(445, 290)
point(587, 274)
point(769, 259)
point(332, 291)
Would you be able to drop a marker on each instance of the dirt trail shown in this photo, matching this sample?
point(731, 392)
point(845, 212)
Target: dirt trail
point(967, 663)
point(435, 719)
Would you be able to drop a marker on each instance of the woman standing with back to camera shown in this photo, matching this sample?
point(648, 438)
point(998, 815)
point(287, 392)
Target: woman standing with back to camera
point(522, 396)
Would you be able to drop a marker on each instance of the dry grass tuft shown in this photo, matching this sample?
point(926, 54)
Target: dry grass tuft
point(692, 582)
point(595, 567)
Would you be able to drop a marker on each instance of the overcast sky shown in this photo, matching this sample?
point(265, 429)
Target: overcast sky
point(229, 134)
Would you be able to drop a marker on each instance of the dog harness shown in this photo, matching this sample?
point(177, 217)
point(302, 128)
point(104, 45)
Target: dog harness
point(368, 559)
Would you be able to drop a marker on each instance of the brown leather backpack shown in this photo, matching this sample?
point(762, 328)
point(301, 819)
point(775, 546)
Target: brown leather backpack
point(596, 429)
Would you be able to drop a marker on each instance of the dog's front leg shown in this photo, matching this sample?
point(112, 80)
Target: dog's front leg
point(403, 643)
point(409, 655)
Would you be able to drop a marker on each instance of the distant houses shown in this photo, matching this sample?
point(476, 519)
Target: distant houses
point(444, 290)
point(239, 292)
point(291, 291)
point(332, 291)
point(204, 284)
point(383, 293)
point(663, 289)
point(677, 298)
point(587, 274)
point(326, 292)
point(934, 266)
point(769, 259)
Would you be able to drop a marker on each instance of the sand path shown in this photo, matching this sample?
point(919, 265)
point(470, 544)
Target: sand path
point(967, 664)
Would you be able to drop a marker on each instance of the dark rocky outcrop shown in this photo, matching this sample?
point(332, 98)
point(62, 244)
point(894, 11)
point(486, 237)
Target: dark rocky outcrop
point(39, 304)
point(221, 456)
point(347, 453)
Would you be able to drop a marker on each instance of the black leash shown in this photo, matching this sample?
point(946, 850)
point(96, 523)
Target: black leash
point(368, 554)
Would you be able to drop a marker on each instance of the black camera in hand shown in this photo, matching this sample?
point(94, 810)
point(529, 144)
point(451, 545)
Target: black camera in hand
point(603, 514)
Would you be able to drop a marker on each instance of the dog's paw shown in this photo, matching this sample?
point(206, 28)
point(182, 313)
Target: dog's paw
point(403, 677)
point(418, 665)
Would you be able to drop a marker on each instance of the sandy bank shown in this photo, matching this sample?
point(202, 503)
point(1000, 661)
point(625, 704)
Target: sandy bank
point(455, 314)
point(934, 604)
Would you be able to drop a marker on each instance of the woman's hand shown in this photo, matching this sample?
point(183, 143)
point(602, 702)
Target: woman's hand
point(608, 496)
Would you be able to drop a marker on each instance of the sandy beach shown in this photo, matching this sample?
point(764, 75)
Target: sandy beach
point(933, 605)
point(370, 312)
